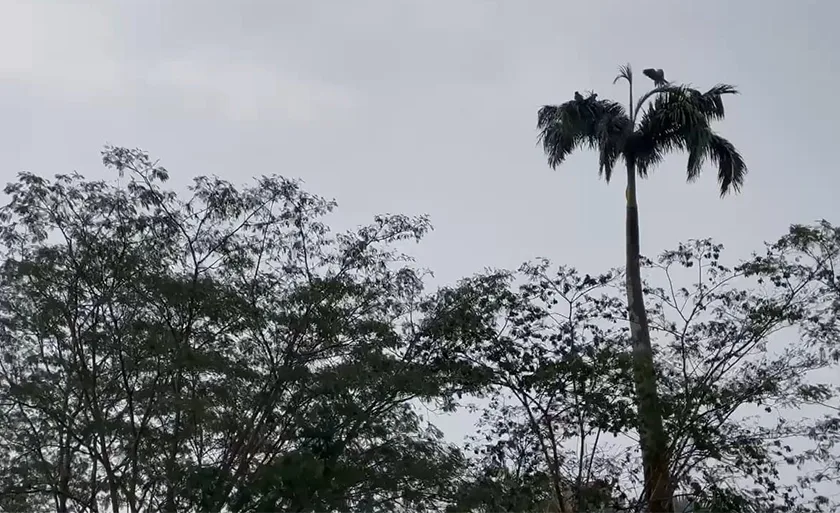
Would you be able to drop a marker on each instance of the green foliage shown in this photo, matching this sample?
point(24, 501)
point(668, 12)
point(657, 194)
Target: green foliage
point(668, 118)
point(736, 361)
point(227, 352)
point(220, 352)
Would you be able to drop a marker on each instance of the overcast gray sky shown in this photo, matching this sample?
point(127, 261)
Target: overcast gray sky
point(429, 107)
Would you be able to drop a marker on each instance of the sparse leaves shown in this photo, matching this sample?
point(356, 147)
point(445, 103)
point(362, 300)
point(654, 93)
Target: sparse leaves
point(736, 361)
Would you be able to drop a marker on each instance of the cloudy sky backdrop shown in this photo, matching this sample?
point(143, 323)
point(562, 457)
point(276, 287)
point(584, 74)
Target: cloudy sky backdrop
point(429, 106)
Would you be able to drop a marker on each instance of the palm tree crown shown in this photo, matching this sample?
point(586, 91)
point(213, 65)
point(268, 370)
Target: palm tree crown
point(678, 117)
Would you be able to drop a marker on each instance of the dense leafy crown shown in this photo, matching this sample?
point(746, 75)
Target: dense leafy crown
point(668, 118)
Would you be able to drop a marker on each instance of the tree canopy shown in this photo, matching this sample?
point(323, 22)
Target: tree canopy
point(222, 349)
point(670, 117)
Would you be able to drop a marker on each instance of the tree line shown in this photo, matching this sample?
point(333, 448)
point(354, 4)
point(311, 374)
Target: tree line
point(224, 350)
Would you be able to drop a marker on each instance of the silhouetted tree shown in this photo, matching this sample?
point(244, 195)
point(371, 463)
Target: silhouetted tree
point(677, 117)
point(215, 352)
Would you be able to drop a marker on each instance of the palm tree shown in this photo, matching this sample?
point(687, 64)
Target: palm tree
point(669, 117)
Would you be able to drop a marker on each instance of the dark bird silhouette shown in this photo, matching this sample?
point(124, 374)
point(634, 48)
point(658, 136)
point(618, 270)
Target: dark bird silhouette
point(657, 75)
point(578, 97)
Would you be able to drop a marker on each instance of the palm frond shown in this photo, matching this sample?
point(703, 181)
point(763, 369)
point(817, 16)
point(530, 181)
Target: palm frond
point(679, 118)
point(673, 121)
point(593, 123)
point(732, 170)
point(624, 72)
point(559, 134)
point(612, 134)
point(698, 151)
point(711, 102)
point(646, 154)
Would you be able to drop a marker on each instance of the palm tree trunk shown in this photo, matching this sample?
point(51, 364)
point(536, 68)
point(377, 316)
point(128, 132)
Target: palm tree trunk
point(658, 494)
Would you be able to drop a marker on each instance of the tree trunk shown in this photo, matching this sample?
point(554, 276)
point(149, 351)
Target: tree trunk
point(658, 492)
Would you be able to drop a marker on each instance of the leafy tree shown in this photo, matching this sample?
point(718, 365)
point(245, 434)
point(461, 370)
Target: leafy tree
point(676, 118)
point(808, 258)
point(553, 373)
point(223, 352)
point(739, 351)
point(227, 352)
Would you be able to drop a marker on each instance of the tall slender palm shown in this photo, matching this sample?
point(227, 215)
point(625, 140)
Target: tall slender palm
point(669, 117)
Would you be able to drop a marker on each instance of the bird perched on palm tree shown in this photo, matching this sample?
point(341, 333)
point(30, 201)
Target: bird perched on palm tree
point(657, 75)
point(668, 118)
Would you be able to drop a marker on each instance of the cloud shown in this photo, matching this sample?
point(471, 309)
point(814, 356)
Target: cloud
point(66, 47)
point(92, 53)
point(246, 91)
